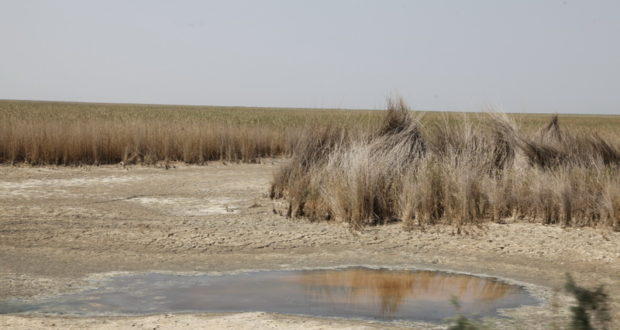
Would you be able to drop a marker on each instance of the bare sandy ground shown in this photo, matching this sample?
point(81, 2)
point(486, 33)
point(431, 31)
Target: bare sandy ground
point(58, 226)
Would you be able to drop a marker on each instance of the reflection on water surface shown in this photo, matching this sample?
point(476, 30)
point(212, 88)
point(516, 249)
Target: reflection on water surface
point(389, 289)
point(348, 292)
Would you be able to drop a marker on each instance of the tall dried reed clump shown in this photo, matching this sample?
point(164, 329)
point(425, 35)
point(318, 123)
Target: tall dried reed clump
point(457, 172)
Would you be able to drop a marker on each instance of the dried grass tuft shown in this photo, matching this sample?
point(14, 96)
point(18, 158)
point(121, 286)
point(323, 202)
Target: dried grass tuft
point(458, 172)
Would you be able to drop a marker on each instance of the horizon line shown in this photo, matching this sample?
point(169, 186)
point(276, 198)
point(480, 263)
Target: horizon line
point(291, 107)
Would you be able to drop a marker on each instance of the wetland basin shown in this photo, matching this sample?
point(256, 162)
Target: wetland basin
point(351, 292)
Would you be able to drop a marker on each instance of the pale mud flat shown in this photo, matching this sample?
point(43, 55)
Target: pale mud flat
point(60, 226)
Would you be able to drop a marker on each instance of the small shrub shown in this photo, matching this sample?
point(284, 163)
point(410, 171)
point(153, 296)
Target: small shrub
point(592, 309)
point(461, 322)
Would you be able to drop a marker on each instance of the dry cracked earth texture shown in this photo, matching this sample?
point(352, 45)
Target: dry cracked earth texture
point(60, 226)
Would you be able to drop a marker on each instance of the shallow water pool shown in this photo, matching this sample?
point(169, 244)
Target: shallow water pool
point(353, 292)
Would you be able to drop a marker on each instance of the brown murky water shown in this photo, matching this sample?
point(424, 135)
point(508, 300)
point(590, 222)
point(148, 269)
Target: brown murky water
point(348, 292)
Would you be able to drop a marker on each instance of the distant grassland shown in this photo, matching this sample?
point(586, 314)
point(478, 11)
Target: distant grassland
point(236, 116)
point(60, 133)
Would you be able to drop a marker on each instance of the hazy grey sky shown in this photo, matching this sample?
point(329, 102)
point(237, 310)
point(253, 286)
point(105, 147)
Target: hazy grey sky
point(524, 56)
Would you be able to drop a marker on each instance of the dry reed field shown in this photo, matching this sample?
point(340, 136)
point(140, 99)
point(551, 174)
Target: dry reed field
point(481, 167)
point(56, 133)
point(59, 133)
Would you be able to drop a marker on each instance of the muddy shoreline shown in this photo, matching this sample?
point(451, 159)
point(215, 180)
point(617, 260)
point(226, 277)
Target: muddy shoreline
point(60, 225)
